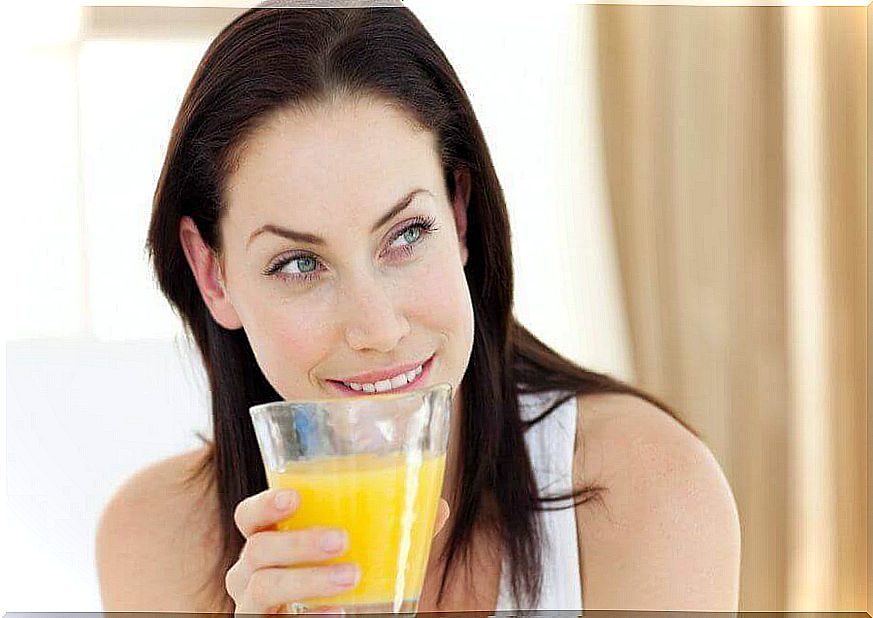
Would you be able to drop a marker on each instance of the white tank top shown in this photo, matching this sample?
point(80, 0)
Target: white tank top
point(550, 445)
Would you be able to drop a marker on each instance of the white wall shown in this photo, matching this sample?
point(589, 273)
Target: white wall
point(80, 417)
point(99, 381)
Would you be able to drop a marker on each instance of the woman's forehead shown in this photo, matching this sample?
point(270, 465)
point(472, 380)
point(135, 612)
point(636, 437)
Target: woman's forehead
point(353, 136)
point(352, 159)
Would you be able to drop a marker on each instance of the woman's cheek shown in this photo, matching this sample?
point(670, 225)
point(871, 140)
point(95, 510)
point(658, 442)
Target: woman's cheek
point(445, 301)
point(302, 337)
point(289, 346)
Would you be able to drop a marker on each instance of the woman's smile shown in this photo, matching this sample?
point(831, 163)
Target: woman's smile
point(398, 380)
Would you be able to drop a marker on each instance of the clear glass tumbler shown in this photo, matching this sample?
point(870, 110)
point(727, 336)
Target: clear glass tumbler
point(372, 464)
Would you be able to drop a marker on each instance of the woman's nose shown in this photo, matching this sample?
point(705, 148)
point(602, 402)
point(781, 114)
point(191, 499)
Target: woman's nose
point(374, 319)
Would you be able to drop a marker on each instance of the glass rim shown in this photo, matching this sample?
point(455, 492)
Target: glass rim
point(262, 408)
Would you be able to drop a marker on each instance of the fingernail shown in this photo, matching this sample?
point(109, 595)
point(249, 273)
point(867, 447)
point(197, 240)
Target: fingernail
point(344, 574)
point(333, 540)
point(285, 499)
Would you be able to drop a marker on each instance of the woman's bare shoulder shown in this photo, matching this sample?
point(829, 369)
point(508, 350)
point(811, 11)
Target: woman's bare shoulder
point(608, 424)
point(666, 534)
point(156, 539)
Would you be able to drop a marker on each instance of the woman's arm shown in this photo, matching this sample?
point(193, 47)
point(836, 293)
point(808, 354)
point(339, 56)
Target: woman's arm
point(667, 534)
point(153, 545)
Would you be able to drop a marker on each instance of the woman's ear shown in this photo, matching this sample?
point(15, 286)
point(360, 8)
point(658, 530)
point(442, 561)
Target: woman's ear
point(459, 207)
point(207, 272)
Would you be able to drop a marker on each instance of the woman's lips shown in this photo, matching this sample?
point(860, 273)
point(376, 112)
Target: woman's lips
point(346, 391)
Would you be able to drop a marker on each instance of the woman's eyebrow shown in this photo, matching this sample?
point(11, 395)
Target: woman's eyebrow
point(305, 237)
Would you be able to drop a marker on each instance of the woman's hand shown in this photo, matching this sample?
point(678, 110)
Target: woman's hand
point(260, 582)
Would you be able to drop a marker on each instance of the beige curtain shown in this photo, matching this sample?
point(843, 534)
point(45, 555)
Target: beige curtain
point(735, 145)
point(869, 315)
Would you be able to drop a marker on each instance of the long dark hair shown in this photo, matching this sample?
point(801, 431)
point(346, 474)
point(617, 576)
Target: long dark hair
point(271, 58)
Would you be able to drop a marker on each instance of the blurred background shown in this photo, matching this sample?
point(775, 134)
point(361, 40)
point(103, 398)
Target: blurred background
point(687, 188)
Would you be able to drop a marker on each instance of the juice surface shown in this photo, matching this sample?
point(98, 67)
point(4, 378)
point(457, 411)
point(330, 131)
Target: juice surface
point(388, 505)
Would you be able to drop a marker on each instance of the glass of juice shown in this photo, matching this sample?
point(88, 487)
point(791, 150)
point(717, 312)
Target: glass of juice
point(372, 464)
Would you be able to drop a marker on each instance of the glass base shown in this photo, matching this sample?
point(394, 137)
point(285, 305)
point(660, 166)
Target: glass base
point(408, 606)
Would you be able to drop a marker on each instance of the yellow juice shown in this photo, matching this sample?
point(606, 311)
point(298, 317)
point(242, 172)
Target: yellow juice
point(387, 503)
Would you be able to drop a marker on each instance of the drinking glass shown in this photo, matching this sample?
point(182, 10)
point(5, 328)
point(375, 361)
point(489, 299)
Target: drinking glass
point(372, 464)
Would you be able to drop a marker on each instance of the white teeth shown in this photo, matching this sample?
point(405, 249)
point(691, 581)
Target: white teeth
point(398, 381)
point(381, 386)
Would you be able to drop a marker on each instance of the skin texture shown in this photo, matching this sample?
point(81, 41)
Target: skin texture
point(333, 173)
point(665, 536)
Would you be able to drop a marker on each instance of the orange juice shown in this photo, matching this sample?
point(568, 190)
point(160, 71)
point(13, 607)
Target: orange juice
point(387, 503)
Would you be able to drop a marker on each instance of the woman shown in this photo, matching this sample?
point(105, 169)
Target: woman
point(328, 214)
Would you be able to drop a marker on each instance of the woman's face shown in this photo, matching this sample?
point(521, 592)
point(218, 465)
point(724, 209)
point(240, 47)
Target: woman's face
point(342, 254)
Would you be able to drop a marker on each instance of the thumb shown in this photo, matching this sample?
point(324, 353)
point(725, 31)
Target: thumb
point(443, 511)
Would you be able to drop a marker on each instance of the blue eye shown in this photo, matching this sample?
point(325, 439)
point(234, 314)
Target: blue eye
point(305, 259)
point(307, 267)
point(413, 233)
